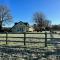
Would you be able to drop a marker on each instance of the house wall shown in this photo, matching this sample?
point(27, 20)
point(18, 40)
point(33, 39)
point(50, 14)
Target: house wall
point(20, 28)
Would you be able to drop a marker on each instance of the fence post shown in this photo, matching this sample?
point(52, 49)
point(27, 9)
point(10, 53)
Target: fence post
point(24, 38)
point(45, 39)
point(6, 37)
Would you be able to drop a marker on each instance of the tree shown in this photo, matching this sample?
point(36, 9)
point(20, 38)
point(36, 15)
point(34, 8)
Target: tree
point(4, 15)
point(35, 27)
point(40, 20)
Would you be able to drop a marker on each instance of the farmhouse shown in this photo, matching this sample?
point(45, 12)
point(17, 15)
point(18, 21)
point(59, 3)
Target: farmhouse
point(20, 27)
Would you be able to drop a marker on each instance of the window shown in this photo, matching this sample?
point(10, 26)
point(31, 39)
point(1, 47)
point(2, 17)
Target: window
point(18, 30)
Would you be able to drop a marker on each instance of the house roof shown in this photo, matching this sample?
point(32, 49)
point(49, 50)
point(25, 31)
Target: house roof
point(24, 23)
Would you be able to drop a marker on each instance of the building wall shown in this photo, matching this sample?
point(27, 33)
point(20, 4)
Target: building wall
point(31, 29)
point(20, 28)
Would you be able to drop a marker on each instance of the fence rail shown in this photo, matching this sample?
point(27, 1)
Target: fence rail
point(24, 38)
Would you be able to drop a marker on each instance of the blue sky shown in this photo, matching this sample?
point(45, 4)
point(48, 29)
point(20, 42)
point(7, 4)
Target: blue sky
point(23, 10)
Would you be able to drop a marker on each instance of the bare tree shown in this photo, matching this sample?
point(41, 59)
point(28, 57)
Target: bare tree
point(40, 20)
point(4, 15)
point(47, 23)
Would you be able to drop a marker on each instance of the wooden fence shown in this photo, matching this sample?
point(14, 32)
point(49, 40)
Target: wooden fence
point(45, 38)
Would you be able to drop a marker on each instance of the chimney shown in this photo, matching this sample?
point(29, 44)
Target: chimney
point(16, 23)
